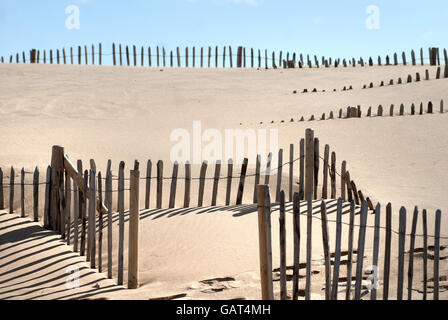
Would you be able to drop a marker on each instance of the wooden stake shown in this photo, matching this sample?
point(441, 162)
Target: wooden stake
point(159, 183)
point(337, 254)
point(309, 161)
point(401, 247)
point(309, 199)
point(325, 176)
point(229, 181)
point(283, 292)
point(216, 182)
point(296, 228)
point(239, 198)
point(148, 184)
point(202, 183)
point(325, 241)
point(376, 248)
point(187, 184)
point(265, 246)
point(109, 223)
point(360, 254)
point(411, 253)
point(302, 170)
point(279, 175)
point(92, 218)
point(437, 254)
point(316, 166)
point(134, 217)
point(350, 251)
point(425, 256)
point(174, 185)
point(120, 223)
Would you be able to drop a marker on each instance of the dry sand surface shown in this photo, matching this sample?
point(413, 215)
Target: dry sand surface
point(125, 114)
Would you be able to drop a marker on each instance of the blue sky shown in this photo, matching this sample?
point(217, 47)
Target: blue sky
point(322, 27)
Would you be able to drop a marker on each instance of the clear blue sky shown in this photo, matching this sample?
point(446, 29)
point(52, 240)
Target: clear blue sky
point(322, 27)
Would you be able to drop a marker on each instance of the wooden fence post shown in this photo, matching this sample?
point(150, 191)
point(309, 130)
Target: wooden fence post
point(216, 182)
point(134, 217)
point(411, 253)
point(325, 241)
point(265, 246)
point(114, 58)
point(164, 56)
point(343, 185)
point(47, 199)
point(282, 232)
point(148, 184)
point(22, 192)
point(68, 202)
point(316, 166)
point(216, 57)
point(172, 202)
point(209, 56)
point(425, 255)
point(186, 57)
point(239, 198)
point(202, 183)
point(75, 216)
point(159, 183)
point(309, 199)
point(350, 251)
point(127, 56)
point(437, 253)
point(291, 172)
point(257, 177)
point(120, 222)
point(325, 175)
point(100, 224)
point(202, 57)
point(401, 248)
point(267, 175)
point(194, 57)
point(57, 163)
point(360, 253)
point(376, 248)
point(2, 199)
point(109, 222)
point(337, 254)
point(333, 175)
point(187, 184)
point(279, 175)
point(229, 181)
point(57, 56)
point(296, 228)
point(302, 170)
point(309, 161)
point(92, 217)
point(224, 57)
point(149, 57)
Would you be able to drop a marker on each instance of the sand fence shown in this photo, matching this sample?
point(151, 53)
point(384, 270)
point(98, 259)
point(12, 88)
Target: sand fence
point(210, 57)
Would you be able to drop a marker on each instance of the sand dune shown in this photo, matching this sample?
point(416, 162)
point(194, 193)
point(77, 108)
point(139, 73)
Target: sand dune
point(125, 114)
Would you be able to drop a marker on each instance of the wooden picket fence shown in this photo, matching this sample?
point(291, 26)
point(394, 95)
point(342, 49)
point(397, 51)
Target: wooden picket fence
point(311, 174)
point(357, 112)
point(208, 57)
point(332, 260)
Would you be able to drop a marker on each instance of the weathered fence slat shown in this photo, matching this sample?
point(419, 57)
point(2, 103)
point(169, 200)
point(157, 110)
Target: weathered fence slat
point(437, 253)
point(148, 184)
point(387, 252)
point(257, 177)
point(326, 247)
point(291, 172)
point(411, 253)
point(35, 194)
point(267, 175)
point(360, 253)
point(316, 166)
point(265, 247)
point(229, 181)
point(202, 183)
point(309, 161)
point(159, 183)
point(325, 175)
point(239, 198)
point(425, 255)
point(120, 223)
point(134, 217)
point(100, 224)
point(337, 252)
point(75, 216)
point(302, 170)
point(376, 249)
point(296, 228)
point(343, 185)
point(309, 199)
point(187, 184)
point(401, 249)
point(279, 175)
point(2, 199)
point(216, 182)
point(68, 202)
point(22, 192)
point(283, 292)
point(174, 185)
point(11, 190)
point(350, 251)
point(109, 222)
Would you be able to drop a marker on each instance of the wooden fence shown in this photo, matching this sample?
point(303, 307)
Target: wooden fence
point(357, 112)
point(357, 285)
point(78, 204)
point(211, 57)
